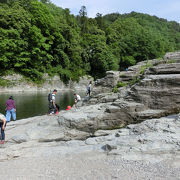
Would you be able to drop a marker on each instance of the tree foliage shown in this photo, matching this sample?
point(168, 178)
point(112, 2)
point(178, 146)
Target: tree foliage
point(38, 37)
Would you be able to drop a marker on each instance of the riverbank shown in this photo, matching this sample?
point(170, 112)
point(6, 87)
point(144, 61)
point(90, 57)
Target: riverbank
point(30, 104)
point(86, 166)
point(17, 83)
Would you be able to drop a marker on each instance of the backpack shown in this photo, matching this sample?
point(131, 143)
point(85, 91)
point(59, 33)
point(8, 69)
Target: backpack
point(49, 97)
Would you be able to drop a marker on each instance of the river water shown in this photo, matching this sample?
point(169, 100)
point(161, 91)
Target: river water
point(35, 103)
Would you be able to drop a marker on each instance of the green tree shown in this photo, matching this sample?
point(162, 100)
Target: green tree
point(98, 54)
point(100, 21)
point(45, 1)
point(36, 37)
point(83, 19)
point(15, 23)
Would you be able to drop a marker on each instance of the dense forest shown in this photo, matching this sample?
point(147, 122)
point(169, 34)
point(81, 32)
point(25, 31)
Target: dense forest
point(37, 37)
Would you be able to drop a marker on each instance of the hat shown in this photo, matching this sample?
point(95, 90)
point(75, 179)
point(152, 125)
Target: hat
point(68, 108)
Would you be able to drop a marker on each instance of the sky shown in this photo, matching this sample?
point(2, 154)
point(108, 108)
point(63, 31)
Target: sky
point(167, 9)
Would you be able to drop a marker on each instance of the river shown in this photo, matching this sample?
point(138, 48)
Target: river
point(35, 103)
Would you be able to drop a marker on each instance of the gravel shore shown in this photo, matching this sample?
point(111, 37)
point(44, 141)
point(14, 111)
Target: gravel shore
point(87, 166)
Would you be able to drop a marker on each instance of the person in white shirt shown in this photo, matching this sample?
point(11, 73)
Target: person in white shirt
point(52, 105)
point(77, 98)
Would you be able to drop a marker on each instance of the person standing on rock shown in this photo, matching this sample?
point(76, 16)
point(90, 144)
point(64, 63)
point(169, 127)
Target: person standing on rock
point(10, 109)
point(52, 104)
point(89, 88)
point(2, 125)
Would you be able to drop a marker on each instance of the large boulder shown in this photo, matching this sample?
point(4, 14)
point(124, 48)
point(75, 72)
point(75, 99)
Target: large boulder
point(172, 56)
point(41, 129)
point(158, 91)
point(106, 84)
point(85, 118)
point(110, 80)
point(172, 68)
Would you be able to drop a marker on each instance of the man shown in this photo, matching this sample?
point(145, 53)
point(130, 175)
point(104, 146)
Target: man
point(2, 125)
point(52, 105)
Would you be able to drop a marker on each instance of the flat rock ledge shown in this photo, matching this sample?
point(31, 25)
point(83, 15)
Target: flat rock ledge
point(52, 149)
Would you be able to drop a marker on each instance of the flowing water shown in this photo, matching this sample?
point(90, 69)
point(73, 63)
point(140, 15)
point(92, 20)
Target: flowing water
point(36, 103)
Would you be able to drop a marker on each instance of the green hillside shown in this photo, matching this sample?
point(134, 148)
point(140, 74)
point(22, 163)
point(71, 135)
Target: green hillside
point(38, 37)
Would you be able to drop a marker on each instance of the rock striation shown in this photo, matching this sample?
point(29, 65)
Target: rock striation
point(153, 91)
point(172, 56)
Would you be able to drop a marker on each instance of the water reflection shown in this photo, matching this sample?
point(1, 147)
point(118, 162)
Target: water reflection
point(34, 104)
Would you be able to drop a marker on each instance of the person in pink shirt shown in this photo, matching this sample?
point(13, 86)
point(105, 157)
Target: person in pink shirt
point(10, 109)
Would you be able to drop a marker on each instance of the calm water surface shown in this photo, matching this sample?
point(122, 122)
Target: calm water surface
point(34, 104)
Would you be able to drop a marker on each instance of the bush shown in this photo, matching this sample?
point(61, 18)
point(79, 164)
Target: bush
point(118, 85)
point(115, 89)
point(4, 82)
point(170, 61)
point(144, 67)
point(135, 80)
point(121, 84)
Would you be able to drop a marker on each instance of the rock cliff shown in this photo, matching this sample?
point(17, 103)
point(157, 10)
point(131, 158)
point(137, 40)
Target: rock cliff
point(151, 89)
point(18, 83)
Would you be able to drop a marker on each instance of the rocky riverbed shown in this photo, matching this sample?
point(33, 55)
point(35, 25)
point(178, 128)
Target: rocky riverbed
point(41, 148)
point(131, 134)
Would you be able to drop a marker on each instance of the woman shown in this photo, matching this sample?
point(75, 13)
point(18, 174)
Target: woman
point(2, 125)
point(10, 109)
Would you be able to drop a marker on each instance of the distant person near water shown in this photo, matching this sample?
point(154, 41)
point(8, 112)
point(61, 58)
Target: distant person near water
point(77, 98)
point(89, 88)
point(10, 109)
point(2, 125)
point(52, 104)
